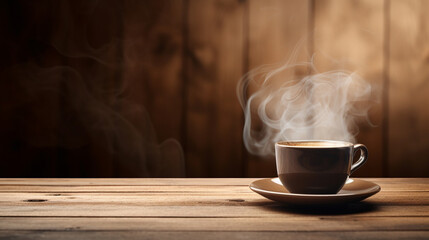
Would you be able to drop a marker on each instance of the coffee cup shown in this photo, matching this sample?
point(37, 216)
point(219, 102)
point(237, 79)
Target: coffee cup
point(317, 167)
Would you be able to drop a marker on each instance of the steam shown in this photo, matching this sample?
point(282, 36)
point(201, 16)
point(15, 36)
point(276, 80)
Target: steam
point(315, 106)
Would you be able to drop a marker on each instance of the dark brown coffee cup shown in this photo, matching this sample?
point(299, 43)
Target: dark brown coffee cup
point(317, 167)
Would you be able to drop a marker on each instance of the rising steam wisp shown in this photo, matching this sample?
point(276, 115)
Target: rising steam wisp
point(317, 106)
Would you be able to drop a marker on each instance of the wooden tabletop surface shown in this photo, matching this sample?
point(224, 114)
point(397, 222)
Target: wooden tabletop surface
point(201, 209)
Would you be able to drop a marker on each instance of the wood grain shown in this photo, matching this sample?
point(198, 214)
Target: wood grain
point(275, 29)
point(103, 235)
point(214, 64)
point(89, 80)
point(190, 198)
point(408, 131)
point(212, 196)
point(154, 103)
point(297, 224)
point(387, 184)
point(143, 188)
point(26, 53)
point(344, 39)
point(153, 50)
point(169, 68)
point(200, 208)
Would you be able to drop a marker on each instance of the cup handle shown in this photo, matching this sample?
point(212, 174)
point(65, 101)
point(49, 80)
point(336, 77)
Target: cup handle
point(363, 156)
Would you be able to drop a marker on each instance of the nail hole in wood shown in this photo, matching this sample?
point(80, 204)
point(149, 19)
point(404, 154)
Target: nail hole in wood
point(35, 200)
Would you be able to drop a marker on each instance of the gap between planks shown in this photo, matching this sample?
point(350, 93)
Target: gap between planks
point(171, 224)
point(179, 235)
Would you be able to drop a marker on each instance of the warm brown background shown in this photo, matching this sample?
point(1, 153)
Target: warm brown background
point(181, 61)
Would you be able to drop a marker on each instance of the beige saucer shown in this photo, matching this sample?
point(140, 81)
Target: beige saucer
point(354, 190)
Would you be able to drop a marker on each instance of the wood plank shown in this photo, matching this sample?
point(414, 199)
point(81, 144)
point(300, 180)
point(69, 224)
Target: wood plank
point(399, 197)
point(356, 45)
point(153, 64)
point(200, 198)
point(387, 184)
point(127, 181)
point(275, 28)
point(61, 64)
point(214, 64)
point(106, 235)
point(218, 209)
point(408, 89)
point(159, 188)
point(281, 224)
point(118, 188)
point(87, 36)
point(153, 45)
point(213, 205)
point(27, 91)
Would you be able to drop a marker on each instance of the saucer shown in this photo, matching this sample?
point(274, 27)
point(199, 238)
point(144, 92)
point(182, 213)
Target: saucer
point(354, 190)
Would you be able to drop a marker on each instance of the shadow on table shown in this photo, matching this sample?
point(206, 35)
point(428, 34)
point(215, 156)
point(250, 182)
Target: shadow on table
point(339, 209)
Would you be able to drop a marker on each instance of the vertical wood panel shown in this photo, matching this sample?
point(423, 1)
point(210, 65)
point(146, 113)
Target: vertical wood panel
point(153, 65)
point(88, 38)
point(275, 29)
point(153, 45)
point(138, 46)
point(214, 61)
point(28, 111)
point(408, 128)
point(351, 33)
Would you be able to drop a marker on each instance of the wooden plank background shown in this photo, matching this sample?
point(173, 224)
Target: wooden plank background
point(358, 45)
point(137, 73)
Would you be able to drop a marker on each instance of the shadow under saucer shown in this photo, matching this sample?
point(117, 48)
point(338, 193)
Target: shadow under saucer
point(331, 209)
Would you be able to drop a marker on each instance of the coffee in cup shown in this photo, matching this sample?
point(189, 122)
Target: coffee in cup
point(317, 167)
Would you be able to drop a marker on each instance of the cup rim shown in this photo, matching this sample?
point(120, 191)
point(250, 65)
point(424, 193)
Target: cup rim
point(334, 144)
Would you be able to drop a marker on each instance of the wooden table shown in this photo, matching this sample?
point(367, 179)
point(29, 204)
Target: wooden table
point(200, 209)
